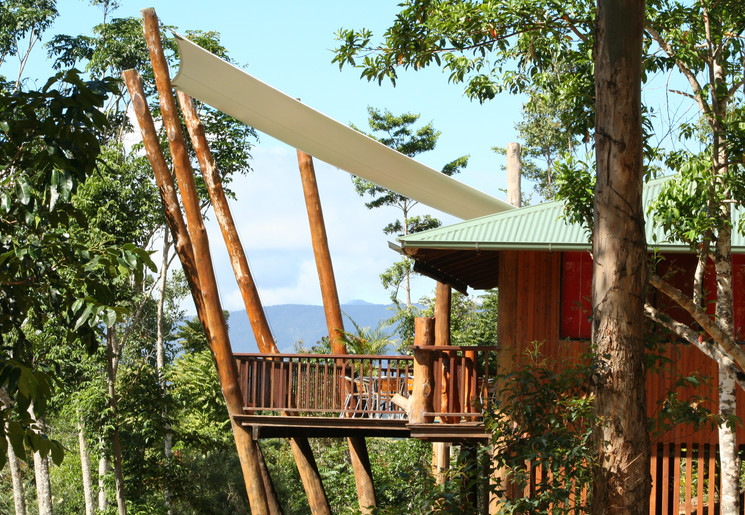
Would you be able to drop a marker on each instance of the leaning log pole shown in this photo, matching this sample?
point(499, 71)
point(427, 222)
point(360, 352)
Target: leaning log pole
point(301, 449)
point(357, 447)
point(218, 334)
point(175, 221)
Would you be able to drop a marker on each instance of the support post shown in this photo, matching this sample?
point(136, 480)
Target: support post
point(424, 379)
point(301, 449)
point(322, 254)
point(357, 447)
point(514, 174)
point(441, 450)
point(218, 334)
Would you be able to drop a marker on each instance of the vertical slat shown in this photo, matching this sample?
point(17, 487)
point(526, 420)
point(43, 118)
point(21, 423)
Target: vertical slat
point(689, 475)
point(251, 398)
point(452, 384)
point(665, 481)
point(290, 383)
point(325, 384)
point(712, 478)
point(653, 473)
point(701, 475)
point(676, 476)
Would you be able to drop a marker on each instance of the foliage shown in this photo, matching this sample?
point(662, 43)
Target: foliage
point(20, 19)
point(50, 269)
point(546, 141)
point(397, 132)
point(365, 340)
point(544, 417)
point(488, 46)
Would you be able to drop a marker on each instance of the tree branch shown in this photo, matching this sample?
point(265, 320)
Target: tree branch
point(700, 316)
point(692, 337)
point(683, 93)
point(697, 91)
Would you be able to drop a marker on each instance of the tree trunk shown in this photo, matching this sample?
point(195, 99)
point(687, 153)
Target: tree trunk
point(160, 356)
point(85, 467)
point(14, 464)
point(112, 363)
point(103, 469)
point(19, 499)
point(622, 481)
point(41, 473)
point(198, 262)
point(357, 446)
point(729, 498)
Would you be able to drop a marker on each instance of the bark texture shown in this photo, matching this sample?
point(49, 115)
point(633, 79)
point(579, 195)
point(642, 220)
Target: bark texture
point(85, 468)
point(19, 499)
point(622, 480)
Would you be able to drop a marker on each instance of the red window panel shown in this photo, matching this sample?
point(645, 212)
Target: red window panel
point(738, 289)
point(576, 295)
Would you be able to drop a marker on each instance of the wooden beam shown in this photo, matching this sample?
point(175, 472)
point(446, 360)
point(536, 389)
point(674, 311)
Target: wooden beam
point(421, 395)
point(301, 449)
point(224, 217)
point(441, 450)
point(357, 447)
point(218, 333)
point(322, 254)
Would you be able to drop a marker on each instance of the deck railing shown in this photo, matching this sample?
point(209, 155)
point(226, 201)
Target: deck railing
point(324, 385)
point(464, 382)
point(369, 386)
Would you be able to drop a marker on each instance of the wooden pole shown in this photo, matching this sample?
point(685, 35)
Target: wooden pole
point(357, 447)
point(508, 346)
point(246, 284)
point(441, 450)
point(300, 447)
point(322, 254)
point(175, 221)
point(218, 334)
point(424, 379)
point(514, 173)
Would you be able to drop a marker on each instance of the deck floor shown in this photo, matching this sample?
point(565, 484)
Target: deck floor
point(277, 426)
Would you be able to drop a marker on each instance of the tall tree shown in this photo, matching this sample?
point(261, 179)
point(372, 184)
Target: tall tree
point(492, 49)
point(397, 132)
point(619, 263)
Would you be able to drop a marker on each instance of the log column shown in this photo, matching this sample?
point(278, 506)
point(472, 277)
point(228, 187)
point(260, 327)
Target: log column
point(421, 397)
point(217, 332)
point(301, 449)
point(441, 450)
point(357, 447)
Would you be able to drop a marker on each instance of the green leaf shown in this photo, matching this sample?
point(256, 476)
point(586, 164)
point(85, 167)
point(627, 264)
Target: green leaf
point(14, 432)
point(110, 317)
point(58, 453)
point(83, 317)
point(23, 191)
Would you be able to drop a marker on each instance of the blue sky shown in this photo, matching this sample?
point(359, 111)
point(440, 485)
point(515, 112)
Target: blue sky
point(289, 46)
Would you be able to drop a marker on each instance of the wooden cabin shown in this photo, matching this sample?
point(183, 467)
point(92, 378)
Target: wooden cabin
point(543, 271)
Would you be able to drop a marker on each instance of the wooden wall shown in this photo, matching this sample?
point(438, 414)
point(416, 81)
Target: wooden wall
point(530, 302)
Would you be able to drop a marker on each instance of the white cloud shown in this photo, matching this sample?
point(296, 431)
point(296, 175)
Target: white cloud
point(272, 221)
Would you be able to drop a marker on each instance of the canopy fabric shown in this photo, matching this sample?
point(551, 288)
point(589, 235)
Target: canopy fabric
point(218, 83)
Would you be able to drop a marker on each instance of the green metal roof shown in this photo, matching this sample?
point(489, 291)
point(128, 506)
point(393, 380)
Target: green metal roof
point(539, 227)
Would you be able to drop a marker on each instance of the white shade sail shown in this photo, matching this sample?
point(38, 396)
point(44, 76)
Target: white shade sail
point(218, 83)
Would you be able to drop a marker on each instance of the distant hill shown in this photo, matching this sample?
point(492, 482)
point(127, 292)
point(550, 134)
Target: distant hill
point(293, 322)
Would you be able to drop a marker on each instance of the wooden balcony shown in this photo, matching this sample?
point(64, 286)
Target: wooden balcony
point(340, 395)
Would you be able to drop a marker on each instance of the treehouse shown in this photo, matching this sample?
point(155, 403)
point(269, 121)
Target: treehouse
point(543, 271)
point(539, 264)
